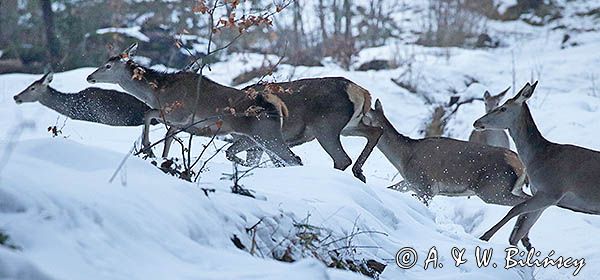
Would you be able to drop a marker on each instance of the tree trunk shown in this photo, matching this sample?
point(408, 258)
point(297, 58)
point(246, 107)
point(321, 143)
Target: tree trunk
point(52, 43)
point(348, 16)
point(337, 19)
point(8, 22)
point(321, 14)
point(298, 26)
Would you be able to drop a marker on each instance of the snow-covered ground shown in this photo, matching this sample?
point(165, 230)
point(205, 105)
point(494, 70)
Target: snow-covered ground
point(69, 222)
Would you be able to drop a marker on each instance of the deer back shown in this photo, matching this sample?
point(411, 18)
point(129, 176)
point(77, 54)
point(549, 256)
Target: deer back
point(496, 138)
point(311, 101)
point(451, 162)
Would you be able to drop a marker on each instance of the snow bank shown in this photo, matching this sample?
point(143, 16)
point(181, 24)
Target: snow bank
point(57, 206)
point(133, 32)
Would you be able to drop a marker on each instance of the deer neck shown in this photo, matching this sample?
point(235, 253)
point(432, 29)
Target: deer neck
point(395, 146)
point(139, 88)
point(529, 141)
point(59, 102)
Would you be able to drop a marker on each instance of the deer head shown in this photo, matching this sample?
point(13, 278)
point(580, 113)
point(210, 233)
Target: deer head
point(115, 68)
point(35, 91)
point(492, 101)
point(506, 115)
point(375, 117)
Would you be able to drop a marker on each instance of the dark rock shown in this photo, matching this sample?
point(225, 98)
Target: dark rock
point(485, 41)
point(377, 64)
point(11, 65)
point(237, 242)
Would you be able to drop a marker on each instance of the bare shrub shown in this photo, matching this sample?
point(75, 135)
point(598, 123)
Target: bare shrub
point(286, 239)
point(450, 23)
point(412, 76)
point(6, 242)
point(376, 23)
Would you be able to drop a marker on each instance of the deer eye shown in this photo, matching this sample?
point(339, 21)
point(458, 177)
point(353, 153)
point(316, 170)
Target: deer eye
point(32, 88)
point(108, 66)
point(502, 109)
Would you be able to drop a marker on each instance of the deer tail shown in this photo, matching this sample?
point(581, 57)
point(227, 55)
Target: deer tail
point(360, 97)
point(282, 109)
point(513, 160)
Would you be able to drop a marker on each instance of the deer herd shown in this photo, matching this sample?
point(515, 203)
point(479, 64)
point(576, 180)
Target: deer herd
point(273, 117)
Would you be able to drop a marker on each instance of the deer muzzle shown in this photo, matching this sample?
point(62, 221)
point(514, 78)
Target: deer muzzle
point(17, 99)
point(478, 125)
point(90, 80)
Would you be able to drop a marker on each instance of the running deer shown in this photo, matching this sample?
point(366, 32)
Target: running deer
point(321, 109)
point(186, 100)
point(496, 138)
point(97, 105)
point(563, 175)
point(444, 166)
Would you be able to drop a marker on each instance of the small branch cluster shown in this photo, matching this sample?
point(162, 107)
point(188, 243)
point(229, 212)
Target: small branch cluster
point(5, 242)
point(185, 169)
point(283, 238)
point(236, 176)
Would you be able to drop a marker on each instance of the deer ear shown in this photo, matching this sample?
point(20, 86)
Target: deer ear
point(526, 92)
point(131, 50)
point(47, 79)
point(378, 106)
point(487, 95)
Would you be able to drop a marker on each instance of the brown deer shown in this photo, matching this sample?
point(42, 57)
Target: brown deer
point(496, 138)
point(444, 166)
point(321, 109)
point(186, 100)
point(563, 175)
point(97, 105)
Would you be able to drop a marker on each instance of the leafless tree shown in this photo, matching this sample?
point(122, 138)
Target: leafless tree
point(52, 43)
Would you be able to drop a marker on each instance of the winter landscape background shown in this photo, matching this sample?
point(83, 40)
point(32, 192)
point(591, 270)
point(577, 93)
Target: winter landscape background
point(60, 218)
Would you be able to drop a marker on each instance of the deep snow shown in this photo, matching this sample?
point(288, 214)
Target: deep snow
point(57, 206)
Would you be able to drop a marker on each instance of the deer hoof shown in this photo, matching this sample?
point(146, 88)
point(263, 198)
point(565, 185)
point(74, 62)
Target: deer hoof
point(485, 237)
point(360, 176)
point(298, 161)
point(527, 244)
point(358, 173)
point(148, 153)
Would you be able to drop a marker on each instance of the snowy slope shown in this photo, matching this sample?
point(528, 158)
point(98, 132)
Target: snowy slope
point(69, 222)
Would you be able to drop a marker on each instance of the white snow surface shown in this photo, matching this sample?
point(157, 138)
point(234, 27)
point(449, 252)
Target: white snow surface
point(133, 32)
point(69, 222)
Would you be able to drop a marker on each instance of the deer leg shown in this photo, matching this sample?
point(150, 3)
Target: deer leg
point(525, 241)
point(330, 141)
point(522, 228)
point(270, 138)
point(372, 134)
point(401, 186)
point(169, 137)
point(423, 194)
point(279, 151)
point(500, 194)
point(253, 154)
point(148, 117)
point(240, 145)
point(535, 203)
